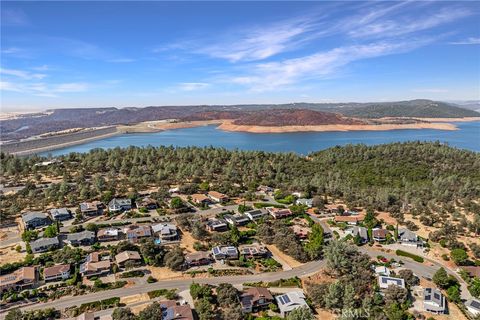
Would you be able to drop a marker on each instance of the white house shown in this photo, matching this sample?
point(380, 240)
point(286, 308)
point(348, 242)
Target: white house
point(473, 306)
point(290, 301)
point(384, 282)
point(434, 301)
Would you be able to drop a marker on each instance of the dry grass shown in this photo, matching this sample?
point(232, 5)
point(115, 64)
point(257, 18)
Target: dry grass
point(10, 255)
point(135, 298)
point(162, 273)
point(289, 260)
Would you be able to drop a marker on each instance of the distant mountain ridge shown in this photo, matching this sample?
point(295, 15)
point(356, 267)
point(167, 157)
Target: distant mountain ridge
point(63, 119)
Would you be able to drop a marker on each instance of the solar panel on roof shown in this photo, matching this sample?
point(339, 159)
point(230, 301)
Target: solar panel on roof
point(475, 304)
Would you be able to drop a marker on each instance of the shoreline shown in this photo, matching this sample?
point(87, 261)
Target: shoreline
point(228, 126)
point(64, 145)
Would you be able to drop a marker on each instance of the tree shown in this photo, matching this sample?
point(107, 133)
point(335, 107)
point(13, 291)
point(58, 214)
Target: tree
point(91, 227)
point(301, 313)
point(318, 202)
point(459, 256)
point(396, 294)
point(315, 242)
point(152, 254)
point(204, 309)
point(234, 235)
point(199, 291)
point(198, 231)
point(50, 231)
point(334, 296)
point(233, 312)
point(338, 256)
point(29, 235)
point(123, 314)
point(474, 287)
point(410, 279)
point(453, 294)
point(176, 203)
point(153, 311)
point(441, 279)
point(174, 259)
point(14, 314)
point(227, 295)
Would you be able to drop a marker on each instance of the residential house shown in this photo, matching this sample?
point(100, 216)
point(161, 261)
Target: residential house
point(148, 203)
point(35, 219)
point(473, 271)
point(218, 197)
point(236, 219)
point(290, 301)
point(305, 202)
point(385, 281)
point(108, 234)
point(91, 209)
point(119, 205)
point(23, 278)
point(93, 266)
point(408, 238)
point(254, 299)
point(166, 232)
point(434, 301)
point(125, 256)
point(256, 214)
point(278, 213)
point(44, 244)
point(382, 270)
point(253, 251)
point(265, 189)
point(58, 272)
point(473, 306)
point(362, 232)
point(225, 253)
point(134, 233)
point(199, 258)
point(60, 214)
point(301, 232)
point(218, 225)
point(83, 238)
point(379, 234)
point(172, 311)
point(200, 198)
point(351, 220)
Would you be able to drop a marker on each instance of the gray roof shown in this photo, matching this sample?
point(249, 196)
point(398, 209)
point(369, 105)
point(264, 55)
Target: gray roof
point(434, 298)
point(44, 242)
point(120, 202)
point(291, 300)
point(29, 216)
point(407, 235)
point(256, 212)
point(473, 303)
point(164, 228)
point(59, 211)
point(307, 202)
point(385, 281)
point(362, 231)
point(80, 236)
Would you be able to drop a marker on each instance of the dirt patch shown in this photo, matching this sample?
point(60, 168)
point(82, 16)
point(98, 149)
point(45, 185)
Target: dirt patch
point(317, 278)
point(135, 298)
point(162, 273)
point(10, 255)
point(324, 315)
point(187, 241)
point(286, 258)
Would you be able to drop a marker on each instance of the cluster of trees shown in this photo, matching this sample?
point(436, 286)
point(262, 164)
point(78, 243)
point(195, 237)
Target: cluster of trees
point(279, 234)
point(385, 177)
point(353, 291)
point(224, 304)
point(42, 314)
point(153, 311)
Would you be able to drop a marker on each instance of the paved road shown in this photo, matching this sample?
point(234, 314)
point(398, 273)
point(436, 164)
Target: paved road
point(182, 284)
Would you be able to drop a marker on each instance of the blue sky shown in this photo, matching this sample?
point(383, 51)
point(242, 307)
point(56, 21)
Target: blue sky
point(134, 54)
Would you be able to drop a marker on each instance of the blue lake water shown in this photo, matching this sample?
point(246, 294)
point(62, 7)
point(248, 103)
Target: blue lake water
point(467, 137)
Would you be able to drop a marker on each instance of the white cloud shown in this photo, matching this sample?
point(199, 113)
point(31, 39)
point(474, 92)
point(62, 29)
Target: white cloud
point(22, 74)
point(121, 60)
point(14, 17)
point(192, 86)
point(272, 75)
point(43, 89)
point(430, 90)
point(468, 41)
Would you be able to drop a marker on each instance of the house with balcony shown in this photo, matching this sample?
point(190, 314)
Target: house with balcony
point(60, 214)
point(59, 272)
point(21, 279)
point(119, 205)
point(44, 244)
point(35, 219)
point(255, 299)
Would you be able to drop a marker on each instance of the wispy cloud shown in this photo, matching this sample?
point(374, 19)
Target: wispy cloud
point(42, 89)
point(468, 41)
point(430, 90)
point(22, 74)
point(14, 17)
point(272, 75)
point(121, 60)
point(192, 86)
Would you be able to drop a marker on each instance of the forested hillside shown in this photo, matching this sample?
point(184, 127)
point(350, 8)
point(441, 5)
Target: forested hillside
point(414, 108)
point(387, 177)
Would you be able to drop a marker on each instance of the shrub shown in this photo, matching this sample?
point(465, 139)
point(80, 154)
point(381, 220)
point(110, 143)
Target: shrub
point(151, 279)
point(409, 255)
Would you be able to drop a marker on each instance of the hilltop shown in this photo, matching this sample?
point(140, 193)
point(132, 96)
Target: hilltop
point(293, 114)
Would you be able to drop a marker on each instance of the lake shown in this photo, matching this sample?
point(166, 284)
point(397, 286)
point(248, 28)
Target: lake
point(467, 137)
